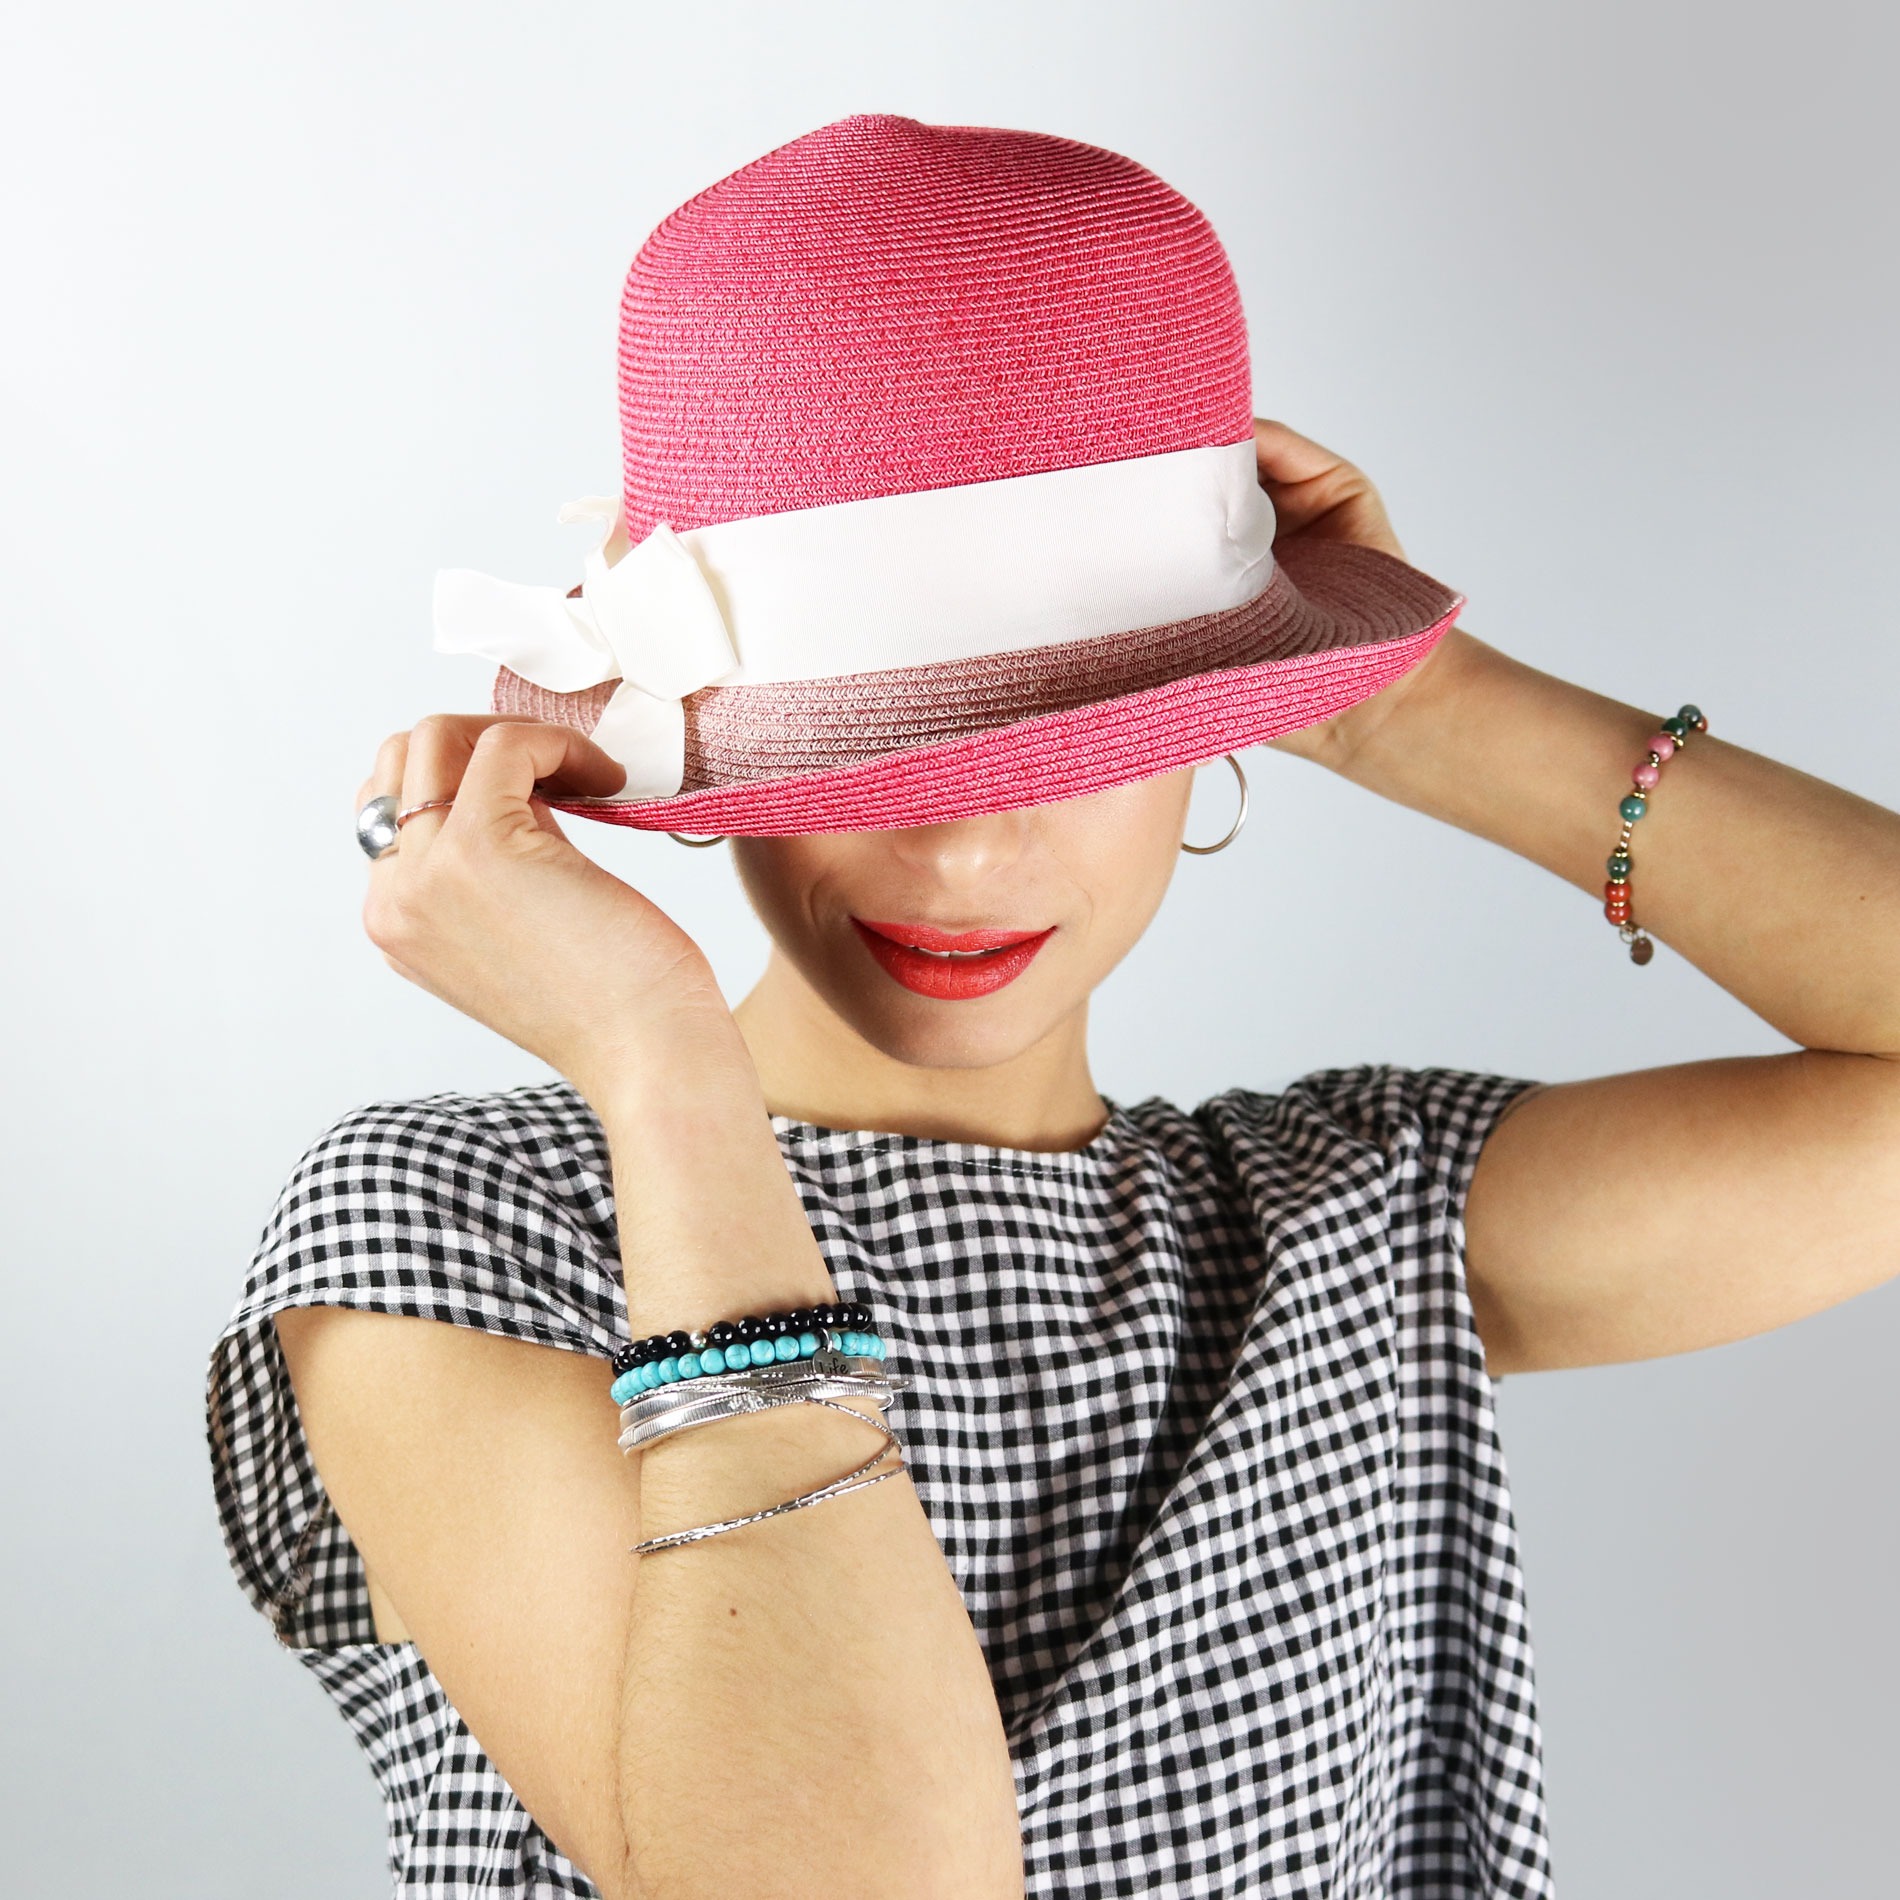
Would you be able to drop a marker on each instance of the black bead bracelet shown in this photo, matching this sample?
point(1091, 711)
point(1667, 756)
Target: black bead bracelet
point(843, 1315)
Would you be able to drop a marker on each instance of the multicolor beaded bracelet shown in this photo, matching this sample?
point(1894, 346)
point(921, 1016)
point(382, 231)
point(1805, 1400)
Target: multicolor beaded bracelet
point(1669, 738)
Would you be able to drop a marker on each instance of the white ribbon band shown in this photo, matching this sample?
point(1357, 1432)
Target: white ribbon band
point(859, 586)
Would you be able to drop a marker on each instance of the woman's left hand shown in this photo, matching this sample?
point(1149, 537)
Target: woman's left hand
point(1320, 496)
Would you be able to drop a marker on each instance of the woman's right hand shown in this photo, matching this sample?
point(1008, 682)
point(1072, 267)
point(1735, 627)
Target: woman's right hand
point(487, 905)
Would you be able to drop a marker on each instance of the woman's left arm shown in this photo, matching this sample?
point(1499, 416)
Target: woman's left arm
point(1627, 1216)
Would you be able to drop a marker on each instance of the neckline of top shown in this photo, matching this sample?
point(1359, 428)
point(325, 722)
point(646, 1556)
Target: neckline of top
point(1103, 1146)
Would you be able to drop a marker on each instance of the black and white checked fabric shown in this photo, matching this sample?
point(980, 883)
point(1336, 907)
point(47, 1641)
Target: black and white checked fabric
point(1199, 1415)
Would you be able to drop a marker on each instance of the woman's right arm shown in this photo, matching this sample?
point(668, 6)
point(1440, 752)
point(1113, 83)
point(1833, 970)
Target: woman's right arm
point(798, 1707)
point(805, 1708)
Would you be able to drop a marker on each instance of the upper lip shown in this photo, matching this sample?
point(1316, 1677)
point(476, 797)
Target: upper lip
point(930, 937)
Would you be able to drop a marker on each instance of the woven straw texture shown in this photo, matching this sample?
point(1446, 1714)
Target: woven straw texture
point(736, 734)
point(1185, 719)
point(883, 306)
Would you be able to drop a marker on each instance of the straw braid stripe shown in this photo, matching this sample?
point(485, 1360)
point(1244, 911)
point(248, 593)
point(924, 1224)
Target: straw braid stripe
point(883, 306)
point(913, 745)
point(1038, 761)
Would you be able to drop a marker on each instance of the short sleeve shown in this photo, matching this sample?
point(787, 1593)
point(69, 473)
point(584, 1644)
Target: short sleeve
point(1456, 1585)
point(1430, 1124)
point(493, 1212)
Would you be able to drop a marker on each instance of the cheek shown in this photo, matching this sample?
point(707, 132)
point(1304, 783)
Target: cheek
point(1123, 847)
point(778, 876)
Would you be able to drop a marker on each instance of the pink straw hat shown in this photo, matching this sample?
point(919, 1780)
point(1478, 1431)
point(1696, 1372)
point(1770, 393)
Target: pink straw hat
point(938, 497)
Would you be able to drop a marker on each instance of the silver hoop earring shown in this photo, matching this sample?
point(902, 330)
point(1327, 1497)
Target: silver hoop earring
point(1201, 850)
point(698, 844)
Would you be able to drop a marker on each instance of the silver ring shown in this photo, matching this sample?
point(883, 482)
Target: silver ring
point(379, 822)
point(698, 844)
point(1233, 831)
point(376, 826)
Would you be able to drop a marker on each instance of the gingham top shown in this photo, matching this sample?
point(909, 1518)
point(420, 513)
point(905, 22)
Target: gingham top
point(1199, 1416)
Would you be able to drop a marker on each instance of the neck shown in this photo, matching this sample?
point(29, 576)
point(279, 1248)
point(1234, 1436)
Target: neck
point(813, 1066)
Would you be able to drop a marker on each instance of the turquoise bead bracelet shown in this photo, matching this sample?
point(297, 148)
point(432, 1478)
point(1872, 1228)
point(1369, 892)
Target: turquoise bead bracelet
point(740, 1358)
point(1668, 739)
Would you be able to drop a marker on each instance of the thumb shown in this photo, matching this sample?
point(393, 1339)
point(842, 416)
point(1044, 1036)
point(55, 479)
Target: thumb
point(511, 757)
point(1317, 493)
point(1284, 457)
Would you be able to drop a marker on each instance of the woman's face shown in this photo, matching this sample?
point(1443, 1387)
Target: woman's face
point(1085, 875)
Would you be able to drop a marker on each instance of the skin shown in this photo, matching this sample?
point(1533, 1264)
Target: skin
point(1614, 1217)
point(836, 1040)
point(1770, 1185)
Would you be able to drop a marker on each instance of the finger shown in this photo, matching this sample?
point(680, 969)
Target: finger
point(441, 747)
point(386, 774)
point(1317, 493)
point(432, 768)
point(509, 759)
point(1284, 456)
point(385, 780)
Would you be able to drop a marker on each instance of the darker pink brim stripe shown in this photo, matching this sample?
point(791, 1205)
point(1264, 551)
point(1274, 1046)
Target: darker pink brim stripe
point(1040, 760)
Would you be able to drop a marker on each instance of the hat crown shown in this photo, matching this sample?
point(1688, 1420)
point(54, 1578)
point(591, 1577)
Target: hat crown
point(883, 306)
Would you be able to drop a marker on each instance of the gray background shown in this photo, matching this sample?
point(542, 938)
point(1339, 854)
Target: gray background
point(308, 301)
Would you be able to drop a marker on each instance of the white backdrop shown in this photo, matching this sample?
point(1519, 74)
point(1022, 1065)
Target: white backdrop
point(309, 301)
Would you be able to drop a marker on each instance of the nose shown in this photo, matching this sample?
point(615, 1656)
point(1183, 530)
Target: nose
point(963, 854)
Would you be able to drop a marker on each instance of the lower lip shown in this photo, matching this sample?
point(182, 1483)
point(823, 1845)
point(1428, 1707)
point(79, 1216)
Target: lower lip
point(951, 978)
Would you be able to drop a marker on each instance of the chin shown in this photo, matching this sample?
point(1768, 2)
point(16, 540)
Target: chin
point(932, 1035)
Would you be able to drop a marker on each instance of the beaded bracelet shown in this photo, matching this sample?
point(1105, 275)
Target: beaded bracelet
point(743, 1332)
point(1668, 739)
point(710, 1360)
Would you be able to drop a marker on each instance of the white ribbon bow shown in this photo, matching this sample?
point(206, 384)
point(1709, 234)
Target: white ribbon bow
point(650, 620)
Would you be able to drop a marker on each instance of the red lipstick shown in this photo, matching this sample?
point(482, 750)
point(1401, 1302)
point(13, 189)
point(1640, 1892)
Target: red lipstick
point(904, 951)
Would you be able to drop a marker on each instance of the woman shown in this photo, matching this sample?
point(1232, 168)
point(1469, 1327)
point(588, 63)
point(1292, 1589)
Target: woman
point(1196, 1573)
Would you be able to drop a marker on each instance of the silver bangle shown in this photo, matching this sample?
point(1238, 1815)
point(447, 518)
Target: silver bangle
point(741, 1391)
point(853, 1480)
point(655, 1416)
point(826, 1365)
point(643, 1434)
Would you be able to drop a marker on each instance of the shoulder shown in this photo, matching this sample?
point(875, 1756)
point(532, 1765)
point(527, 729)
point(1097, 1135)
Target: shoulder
point(542, 1135)
point(1386, 1119)
point(493, 1210)
point(1401, 1112)
point(484, 1156)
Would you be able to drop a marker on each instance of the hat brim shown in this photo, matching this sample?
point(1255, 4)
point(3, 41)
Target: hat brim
point(1340, 624)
